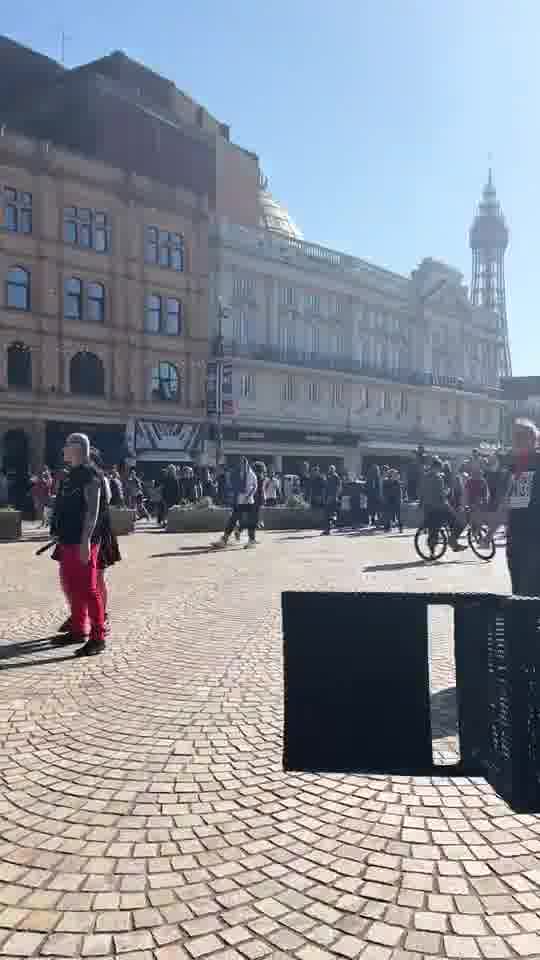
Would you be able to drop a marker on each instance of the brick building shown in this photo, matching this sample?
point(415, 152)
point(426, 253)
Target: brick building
point(108, 173)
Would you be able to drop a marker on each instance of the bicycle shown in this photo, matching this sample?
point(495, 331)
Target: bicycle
point(432, 545)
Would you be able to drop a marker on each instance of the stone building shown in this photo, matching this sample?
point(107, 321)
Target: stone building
point(108, 173)
point(337, 360)
point(103, 304)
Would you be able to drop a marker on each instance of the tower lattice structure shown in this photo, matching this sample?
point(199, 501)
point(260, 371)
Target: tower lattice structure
point(488, 239)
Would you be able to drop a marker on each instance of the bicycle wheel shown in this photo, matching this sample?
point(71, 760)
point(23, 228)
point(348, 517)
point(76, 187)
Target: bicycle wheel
point(430, 548)
point(480, 543)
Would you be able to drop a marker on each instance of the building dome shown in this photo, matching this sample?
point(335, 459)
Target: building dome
point(272, 216)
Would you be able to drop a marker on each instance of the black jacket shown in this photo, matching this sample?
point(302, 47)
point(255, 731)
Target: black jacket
point(524, 502)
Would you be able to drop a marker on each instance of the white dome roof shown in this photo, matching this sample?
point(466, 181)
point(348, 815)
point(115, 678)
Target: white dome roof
point(272, 216)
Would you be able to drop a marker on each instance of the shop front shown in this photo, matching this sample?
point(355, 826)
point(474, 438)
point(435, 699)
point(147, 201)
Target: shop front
point(288, 450)
point(108, 438)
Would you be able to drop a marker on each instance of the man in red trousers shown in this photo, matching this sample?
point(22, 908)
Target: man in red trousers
point(79, 517)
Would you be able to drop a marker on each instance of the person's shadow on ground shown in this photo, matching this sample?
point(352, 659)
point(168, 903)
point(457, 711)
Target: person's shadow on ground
point(14, 651)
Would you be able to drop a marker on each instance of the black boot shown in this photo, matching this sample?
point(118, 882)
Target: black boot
point(69, 639)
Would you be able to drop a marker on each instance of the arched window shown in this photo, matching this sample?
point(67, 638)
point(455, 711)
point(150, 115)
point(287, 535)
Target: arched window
point(73, 298)
point(95, 294)
point(165, 382)
point(86, 374)
point(19, 367)
point(18, 288)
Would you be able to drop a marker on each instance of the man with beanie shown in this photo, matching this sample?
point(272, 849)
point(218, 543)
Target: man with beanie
point(79, 519)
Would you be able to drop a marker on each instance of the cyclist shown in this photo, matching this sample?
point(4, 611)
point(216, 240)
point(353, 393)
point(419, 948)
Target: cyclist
point(437, 509)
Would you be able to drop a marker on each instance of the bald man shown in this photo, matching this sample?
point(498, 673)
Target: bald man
point(79, 522)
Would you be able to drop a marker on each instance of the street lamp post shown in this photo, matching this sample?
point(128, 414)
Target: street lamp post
point(219, 352)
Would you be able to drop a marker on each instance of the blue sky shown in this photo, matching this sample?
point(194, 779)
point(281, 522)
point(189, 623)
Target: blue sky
point(373, 119)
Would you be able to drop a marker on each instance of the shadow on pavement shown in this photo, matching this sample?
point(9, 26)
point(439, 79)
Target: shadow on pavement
point(301, 536)
point(411, 564)
point(12, 651)
point(185, 552)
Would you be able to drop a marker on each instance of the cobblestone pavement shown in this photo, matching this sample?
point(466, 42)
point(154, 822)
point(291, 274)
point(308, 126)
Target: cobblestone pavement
point(143, 810)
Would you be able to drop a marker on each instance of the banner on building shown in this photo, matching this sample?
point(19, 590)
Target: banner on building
point(227, 390)
point(219, 388)
point(159, 439)
point(212, 388)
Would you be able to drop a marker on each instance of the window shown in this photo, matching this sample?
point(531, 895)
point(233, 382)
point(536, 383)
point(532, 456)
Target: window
point(340, 343)
point(163, 315)
point(19, 367)
point(18, 288)
point(313, 302)
point(86, 374)
point(17, 210)
point(485, 417)
point(288, 390)
point(241, 327)
point(73, 299)
point(243, 287)
point(95, 303)
point(165, 382)
point(337, 395)
point(84, 301)
point(336, 305)
point(287, 296)
point(172, 317)
point(315, 340)
point(247, 386)
point(287, 339)
point(314, 392)
point(87, 228)
point(404, 404)
point(164, 248)
point(387, 400)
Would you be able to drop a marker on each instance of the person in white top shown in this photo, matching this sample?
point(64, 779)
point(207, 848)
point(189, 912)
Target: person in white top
point(244, 511)
point(272, 489)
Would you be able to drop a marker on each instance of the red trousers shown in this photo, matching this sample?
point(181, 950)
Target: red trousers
point(80, 585)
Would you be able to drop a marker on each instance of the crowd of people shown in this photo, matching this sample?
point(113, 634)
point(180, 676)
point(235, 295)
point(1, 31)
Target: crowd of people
point(75, 503)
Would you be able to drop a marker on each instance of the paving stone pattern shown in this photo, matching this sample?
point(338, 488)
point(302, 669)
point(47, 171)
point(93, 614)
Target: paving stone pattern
point(143, 809)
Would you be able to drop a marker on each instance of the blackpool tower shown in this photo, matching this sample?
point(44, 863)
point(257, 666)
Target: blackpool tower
point(488, 238)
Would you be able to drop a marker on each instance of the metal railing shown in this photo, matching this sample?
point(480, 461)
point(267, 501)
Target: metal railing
point(343, 363)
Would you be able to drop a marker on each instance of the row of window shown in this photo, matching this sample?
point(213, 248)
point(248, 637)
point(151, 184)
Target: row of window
point(289, 390)
point(244, 288)
point(388, 402)
point(91, 229)
point(86, 301)
point(87, 376)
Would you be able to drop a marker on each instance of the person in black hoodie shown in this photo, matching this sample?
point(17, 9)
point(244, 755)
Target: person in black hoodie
point(333, 493)
point(523, 529)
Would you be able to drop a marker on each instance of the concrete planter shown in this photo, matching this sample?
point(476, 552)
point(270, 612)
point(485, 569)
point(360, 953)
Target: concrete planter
point(122, 520)
point(283, 518)
point(10, 524)
point(213, 520)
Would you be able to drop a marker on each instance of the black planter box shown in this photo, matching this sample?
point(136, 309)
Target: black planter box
point(357, 687)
